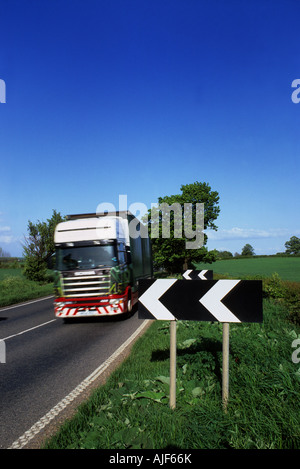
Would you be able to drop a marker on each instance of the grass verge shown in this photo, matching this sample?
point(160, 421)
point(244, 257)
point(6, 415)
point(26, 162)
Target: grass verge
point(131, 411)
point(15, 288)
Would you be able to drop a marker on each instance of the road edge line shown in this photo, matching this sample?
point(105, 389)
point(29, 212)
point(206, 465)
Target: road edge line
point(25, 303)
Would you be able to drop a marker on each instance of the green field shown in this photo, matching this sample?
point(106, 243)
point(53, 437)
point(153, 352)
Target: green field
point(4, 273)
point(288, 268)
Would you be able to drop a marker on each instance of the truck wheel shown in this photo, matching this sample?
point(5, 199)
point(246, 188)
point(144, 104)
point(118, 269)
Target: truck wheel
point(129, 304)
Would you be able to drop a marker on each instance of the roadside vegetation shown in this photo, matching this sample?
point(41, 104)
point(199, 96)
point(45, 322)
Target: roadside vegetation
point(277, 274)
point(30, 277)
point(131, 411)
point(39, 248)
point(16, 288)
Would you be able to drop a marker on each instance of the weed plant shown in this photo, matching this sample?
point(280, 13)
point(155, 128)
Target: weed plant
point(131, 411)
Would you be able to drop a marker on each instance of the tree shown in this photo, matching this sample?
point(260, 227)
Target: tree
point(39, 247)
point(171, 252)
point(247, 250)
point(293, 245)
point(224, 254)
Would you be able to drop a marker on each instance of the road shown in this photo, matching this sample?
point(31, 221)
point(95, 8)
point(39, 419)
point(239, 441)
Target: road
point(47, 359)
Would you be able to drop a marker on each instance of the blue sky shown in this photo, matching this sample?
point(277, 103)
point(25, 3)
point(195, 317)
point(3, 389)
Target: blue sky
point(105, 98)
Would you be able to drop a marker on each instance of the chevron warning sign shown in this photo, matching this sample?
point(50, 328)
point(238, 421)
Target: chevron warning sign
point(213, 300)
point(198, 274)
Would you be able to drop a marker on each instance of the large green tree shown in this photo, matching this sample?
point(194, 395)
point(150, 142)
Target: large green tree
point(39, 247)
point(171, 252)
point(293, 245)
point(247, 250)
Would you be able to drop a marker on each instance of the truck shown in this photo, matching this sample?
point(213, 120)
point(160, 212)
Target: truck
point(99, 259)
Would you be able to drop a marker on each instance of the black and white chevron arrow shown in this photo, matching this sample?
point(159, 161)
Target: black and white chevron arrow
point(198, 274)
point(213, 300)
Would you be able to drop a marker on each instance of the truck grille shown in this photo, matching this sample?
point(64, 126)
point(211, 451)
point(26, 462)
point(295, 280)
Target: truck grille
point(85, 285)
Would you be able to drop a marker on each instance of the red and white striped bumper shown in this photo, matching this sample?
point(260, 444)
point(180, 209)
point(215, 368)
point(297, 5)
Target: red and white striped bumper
point(65, 308)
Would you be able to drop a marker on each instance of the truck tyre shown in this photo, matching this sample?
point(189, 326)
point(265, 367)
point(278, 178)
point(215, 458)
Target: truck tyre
point(129, 303)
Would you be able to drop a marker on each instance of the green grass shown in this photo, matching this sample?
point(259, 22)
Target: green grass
point(15, 288)
point(132, 409)
point(288, 268)
point(4, 273)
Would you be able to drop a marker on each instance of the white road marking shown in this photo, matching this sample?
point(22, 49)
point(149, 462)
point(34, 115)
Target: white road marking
point(28, 330)
point(46, 419)
point(26, 303)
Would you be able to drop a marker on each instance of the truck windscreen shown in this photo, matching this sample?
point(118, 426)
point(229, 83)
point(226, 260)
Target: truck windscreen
point(85, 257)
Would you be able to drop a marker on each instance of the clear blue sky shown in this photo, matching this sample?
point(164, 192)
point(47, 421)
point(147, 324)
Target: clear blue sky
point(139, 97)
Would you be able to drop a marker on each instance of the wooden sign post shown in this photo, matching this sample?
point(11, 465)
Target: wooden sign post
point(224, 301)
point(225, 370)
point(173, 364)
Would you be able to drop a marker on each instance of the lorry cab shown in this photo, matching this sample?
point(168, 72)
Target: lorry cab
point(98, 265)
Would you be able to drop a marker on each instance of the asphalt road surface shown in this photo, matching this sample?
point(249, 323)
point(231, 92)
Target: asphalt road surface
point(45, 359)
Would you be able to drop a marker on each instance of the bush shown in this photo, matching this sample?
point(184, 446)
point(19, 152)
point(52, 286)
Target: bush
point(286, 292)
point(35, 269)
point(292, 300)
point(274, 287)
point(12, 282)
